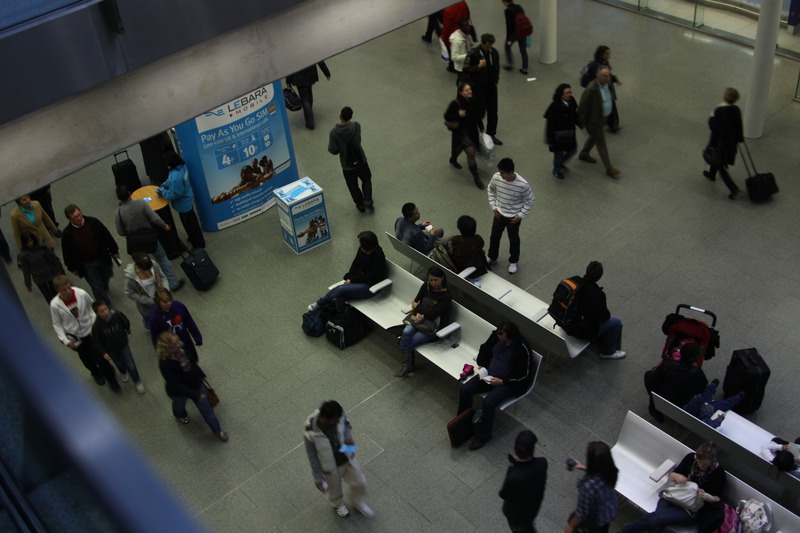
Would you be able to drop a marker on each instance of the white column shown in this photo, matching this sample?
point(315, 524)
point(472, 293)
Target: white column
point(548, 29)
point(755, 111)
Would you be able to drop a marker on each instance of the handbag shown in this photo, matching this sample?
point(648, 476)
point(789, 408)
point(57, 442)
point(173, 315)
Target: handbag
point(564, 137)
point(453, 125)
point(211, 394)
point(684, 495)
point(712, 156)
point(426, 325)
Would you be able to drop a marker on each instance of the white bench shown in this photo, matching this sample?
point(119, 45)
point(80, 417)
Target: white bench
point(498, 296)
point(739, 441)
point(641, 448)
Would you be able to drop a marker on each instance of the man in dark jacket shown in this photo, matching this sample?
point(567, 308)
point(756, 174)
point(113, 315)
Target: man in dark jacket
point(304, 80)
point(87, 247)
point(594, 321)
point(345, 140)
point(484, 73)
point(505, 371)
point(523, 488)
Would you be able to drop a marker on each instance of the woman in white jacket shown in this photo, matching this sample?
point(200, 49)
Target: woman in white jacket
point(143, 278)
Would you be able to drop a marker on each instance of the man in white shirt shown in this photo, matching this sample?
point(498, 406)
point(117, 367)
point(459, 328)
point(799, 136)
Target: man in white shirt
point(511, 199)
point(72, 316)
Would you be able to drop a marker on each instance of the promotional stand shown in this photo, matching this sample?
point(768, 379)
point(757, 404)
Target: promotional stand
point(304, 219)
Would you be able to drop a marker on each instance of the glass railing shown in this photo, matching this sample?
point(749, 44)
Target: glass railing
point(736, 20)
point(66, 465)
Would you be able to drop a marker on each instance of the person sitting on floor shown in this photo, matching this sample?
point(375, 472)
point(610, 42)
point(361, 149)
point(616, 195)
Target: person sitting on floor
point(368, 268)
point(505, 371)
point(784, 455)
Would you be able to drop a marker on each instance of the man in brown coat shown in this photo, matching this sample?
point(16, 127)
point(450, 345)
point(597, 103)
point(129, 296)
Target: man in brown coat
point(597, 104)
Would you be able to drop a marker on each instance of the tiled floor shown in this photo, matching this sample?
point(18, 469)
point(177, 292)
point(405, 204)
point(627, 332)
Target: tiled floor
point(664, 233)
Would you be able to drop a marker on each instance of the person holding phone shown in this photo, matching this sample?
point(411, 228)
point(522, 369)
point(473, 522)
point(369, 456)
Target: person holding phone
point(597, 500)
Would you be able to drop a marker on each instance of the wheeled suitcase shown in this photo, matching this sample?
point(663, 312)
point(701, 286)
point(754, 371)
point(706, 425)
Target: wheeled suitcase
point(760, 187)
point(747, 372)
point(125, 172)
point(460, 429)
point(200, 269)
point(347, 329)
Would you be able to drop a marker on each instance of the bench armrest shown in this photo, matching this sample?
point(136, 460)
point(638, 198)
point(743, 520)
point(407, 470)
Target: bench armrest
point(448, 329)
point(540, 315)
point(466, 272)
point(380, 285)
point(502, 293)
point(335, 285)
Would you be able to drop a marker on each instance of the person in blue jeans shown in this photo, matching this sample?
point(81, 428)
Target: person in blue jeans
point(367, 269)
point(702, 468)
point(429, 313)
point(703, 406)
point(507, 359)
point(594, 321)
point(184, 380)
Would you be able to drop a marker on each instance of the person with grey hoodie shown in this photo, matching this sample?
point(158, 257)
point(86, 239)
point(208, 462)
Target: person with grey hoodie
point(143, 278)
point(345, 140)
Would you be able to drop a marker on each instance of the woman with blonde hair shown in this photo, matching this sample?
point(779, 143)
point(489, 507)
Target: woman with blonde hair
point(184, 379)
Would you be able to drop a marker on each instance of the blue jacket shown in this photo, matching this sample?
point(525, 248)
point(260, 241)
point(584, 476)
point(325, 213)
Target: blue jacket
point(412, 235)
point(178, 189)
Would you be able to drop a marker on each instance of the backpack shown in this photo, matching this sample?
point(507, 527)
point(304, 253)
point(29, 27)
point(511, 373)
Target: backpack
point(522, 26)
point(347, 329)
point(587, 73)
point(564, 306)
point(730, 524)
point(754, 516)
point(314, 321)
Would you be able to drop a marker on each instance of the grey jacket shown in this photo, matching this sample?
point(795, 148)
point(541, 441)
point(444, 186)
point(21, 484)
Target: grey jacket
point(340, 135)
point(134, 215)
point(135, 291)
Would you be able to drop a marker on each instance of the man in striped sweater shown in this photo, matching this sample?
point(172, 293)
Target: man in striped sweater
point(511, 198)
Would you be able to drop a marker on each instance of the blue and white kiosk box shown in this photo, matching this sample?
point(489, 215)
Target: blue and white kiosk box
point(304, 220)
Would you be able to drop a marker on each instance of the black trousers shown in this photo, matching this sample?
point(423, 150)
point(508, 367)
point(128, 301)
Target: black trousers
point(94, 361)
point(192, 227)
point(307, 101)
point(361, 196)
point(499, 225)
point(487, 97)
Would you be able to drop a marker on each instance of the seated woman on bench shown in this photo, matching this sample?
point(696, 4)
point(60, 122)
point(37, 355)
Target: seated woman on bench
point(368, 268)
point(466, 250)
point(430, 311)
point(702, 468)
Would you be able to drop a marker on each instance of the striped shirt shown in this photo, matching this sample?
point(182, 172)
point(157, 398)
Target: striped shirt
point(510, 198)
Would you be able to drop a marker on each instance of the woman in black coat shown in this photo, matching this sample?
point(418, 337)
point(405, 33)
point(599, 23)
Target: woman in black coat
point(463, 119)
point(726, 128)
point(562, 117)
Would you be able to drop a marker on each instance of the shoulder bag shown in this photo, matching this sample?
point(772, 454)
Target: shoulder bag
point(684, 495)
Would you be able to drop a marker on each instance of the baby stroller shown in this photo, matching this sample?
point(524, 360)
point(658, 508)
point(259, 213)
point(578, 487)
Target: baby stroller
point(681, 330)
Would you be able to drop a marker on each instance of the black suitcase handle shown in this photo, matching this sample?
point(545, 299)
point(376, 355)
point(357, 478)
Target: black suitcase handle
point(745, 157)
point(699, 310)
point(122, 152)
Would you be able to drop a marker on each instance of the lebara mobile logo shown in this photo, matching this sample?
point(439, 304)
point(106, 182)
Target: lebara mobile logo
point(216, 113)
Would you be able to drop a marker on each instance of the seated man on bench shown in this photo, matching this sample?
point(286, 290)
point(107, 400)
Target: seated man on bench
point(594, 321)
point(506, 368)
point(368, 268)
point(421, 237)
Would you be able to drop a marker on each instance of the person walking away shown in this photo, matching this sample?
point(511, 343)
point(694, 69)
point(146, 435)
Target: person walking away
point(304, 80)
point(345, 140)
point(110, 335)
point(178, 190)
point(511, 14)
point(511, 200)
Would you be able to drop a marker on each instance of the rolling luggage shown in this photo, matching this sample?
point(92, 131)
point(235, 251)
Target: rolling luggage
point(760, 187)
point(347, 329)
point(746, 372)
point(125, 172)
point(460, 428)
point(200, 269)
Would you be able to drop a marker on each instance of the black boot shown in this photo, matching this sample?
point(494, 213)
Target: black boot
point(475, 177)
point(408, 364)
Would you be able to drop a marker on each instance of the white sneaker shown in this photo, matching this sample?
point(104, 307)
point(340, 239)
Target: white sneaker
point(619, 354)
point(342, 511)
point(512, 268)
point(313, 307)
point(139, 387)
point(123, 378)
point(365, 509)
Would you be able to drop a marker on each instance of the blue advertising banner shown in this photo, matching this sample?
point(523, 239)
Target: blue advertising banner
point(237, 155)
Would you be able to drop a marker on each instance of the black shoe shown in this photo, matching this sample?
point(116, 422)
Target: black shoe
point(707, 174)
point(732, 195)
point(361, 208)
point(426, 39)
point(405, 373)
point(715, 381)
point(455, 163)
point(508, 68)
point(310, 126)
point(115, 387)
point(478, 443)
point(523, 72)
point(100, 380)
point(496, 141)
point(478, 183)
